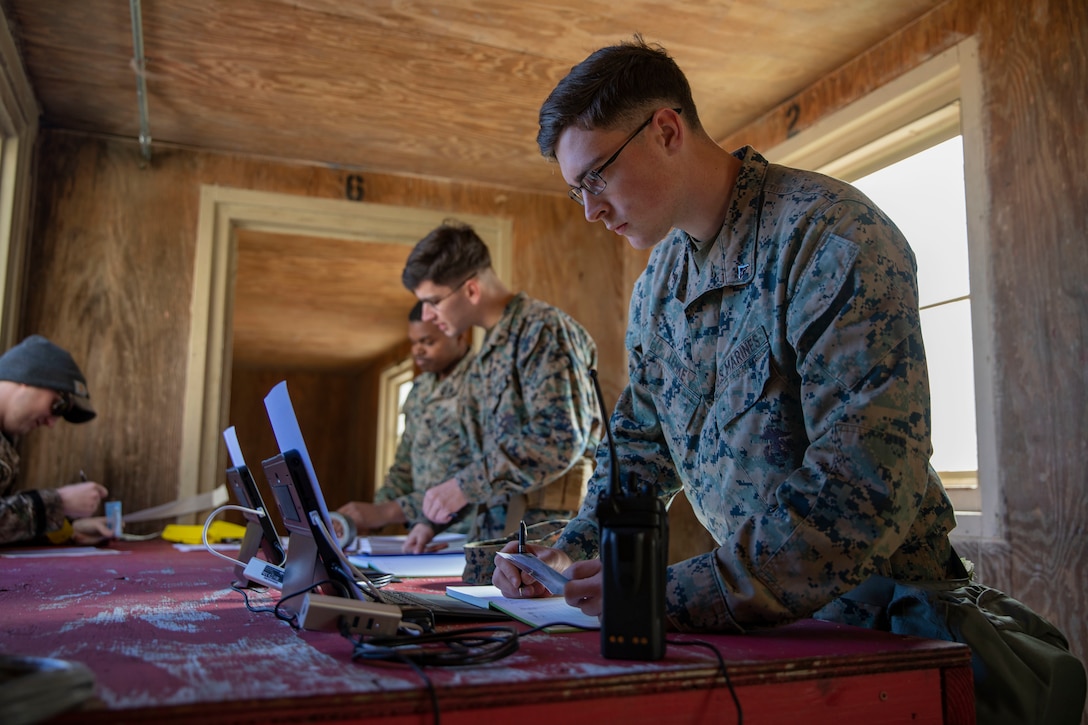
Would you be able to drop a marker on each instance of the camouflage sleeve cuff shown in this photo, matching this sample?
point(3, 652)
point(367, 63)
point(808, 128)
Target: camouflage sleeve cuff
point(580, 539)
point(474, 483)
point(412, 506)
point(695, 597)
point(54, 509)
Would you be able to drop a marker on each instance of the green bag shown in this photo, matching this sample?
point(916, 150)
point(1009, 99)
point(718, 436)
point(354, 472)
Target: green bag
point(1023, 670)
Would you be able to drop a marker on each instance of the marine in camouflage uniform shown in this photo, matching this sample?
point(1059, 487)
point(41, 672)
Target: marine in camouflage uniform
point(25, 515)
point(530, 417)
point(39, 384)
point(777, 375)
point(430, 450)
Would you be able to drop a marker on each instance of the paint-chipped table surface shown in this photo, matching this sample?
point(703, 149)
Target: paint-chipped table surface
point(169, 641)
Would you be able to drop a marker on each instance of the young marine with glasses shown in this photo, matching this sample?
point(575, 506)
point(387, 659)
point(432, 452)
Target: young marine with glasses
point(777, 373)
point(528, 411)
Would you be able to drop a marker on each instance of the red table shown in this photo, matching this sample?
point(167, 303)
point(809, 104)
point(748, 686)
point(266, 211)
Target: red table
point(168, 640)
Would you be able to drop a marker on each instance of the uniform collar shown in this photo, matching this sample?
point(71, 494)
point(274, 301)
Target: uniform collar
point(498, 335)
point(729, 259)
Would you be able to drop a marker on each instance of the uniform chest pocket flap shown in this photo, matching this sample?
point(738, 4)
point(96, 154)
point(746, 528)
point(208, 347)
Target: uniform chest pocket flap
point(669, 382)
point(743, 373)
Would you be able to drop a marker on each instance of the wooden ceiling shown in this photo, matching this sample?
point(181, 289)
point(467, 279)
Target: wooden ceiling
point(446, 89)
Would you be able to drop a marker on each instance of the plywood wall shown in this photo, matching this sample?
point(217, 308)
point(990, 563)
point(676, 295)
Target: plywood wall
point(110, 277)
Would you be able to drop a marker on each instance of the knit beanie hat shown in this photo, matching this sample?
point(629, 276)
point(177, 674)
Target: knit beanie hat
point(38, 362)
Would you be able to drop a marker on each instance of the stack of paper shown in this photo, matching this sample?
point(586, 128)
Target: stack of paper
point(444, 543)
point(551, 611)
point(413, 565)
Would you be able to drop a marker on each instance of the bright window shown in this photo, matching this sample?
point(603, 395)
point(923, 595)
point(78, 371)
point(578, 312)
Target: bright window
point(394, 384)
point(911, 147)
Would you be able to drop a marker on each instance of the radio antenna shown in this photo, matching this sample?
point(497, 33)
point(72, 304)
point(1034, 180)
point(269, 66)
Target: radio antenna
point(614, 473)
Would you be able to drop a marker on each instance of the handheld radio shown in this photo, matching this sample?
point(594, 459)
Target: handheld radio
point(634, 554)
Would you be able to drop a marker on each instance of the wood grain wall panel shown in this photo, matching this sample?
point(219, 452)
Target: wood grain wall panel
point(1033, 64)
point(331, 410)
point(936, 31)
point(110, 277)
point(1034, 58)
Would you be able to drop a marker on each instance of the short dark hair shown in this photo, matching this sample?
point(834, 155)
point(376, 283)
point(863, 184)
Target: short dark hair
point(448, 255)
point(616, 85)
point(416, 313)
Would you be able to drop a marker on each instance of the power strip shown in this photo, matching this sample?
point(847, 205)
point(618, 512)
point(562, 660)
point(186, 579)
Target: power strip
point(324, 613)
point(260, 571)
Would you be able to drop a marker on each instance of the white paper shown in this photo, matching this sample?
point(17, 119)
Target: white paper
point(200, 502)
point(289, 437)
point(534, 611)
point(418, 565)
point(392, 545)
point(60, 551)
point(230, 436)
point(552, 580)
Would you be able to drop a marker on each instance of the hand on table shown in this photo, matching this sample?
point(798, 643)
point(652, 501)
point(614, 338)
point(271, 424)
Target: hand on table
point(90, 531)
point(418, 538)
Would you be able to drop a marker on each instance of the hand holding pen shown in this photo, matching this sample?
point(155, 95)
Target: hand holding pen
point(79, 500)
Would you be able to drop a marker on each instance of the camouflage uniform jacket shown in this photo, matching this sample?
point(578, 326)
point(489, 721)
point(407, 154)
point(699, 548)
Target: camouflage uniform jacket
point(430, 451)
point(28, 514)
point(528, 410)
point(777, 374)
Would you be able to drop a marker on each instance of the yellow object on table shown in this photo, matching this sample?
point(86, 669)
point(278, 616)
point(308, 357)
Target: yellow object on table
point(218, 531)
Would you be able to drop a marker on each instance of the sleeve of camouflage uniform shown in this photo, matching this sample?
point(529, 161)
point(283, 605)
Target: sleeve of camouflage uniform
point(845, 511)
point(545, 412)
point(29, 514)
point(399, 484)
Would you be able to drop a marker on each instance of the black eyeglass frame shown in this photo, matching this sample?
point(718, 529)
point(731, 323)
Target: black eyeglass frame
point(62, 405)
point(434, 303)
point(593, 176)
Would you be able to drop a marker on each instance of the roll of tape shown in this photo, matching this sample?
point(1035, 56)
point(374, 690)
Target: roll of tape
point(343, 529)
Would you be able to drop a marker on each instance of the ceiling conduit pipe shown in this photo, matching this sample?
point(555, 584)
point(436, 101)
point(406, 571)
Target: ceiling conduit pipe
point(139, 65)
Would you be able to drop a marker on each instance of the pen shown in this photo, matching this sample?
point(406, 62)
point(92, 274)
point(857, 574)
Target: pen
point(521, 537)
point(82, 476)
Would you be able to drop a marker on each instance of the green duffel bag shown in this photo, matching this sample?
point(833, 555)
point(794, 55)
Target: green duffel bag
point(1022, 666)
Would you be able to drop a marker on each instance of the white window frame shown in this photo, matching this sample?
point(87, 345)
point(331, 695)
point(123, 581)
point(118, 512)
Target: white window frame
point(389, 382)
point(915, 111)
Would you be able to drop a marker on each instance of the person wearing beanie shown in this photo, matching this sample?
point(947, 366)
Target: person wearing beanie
point(40, 383)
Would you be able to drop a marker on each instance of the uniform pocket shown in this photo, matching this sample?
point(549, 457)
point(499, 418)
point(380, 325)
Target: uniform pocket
point(671, 385)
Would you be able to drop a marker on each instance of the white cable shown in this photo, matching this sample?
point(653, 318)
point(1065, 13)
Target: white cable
point(211, 517)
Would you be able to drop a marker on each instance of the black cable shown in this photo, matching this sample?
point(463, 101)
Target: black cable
point(543, 627)
point(456, 648)
point(293, 618)
point(244, 591)
point(721, 666)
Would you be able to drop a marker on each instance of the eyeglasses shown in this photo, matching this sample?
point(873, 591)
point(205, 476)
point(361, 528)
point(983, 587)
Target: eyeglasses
point(61, 405)
point(434, 302)
point(592, 181)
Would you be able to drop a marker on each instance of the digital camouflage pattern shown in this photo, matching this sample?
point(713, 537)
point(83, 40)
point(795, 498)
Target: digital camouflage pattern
point(777, 375)
point(529, 412)
point(430, 450)
point(19, 519)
